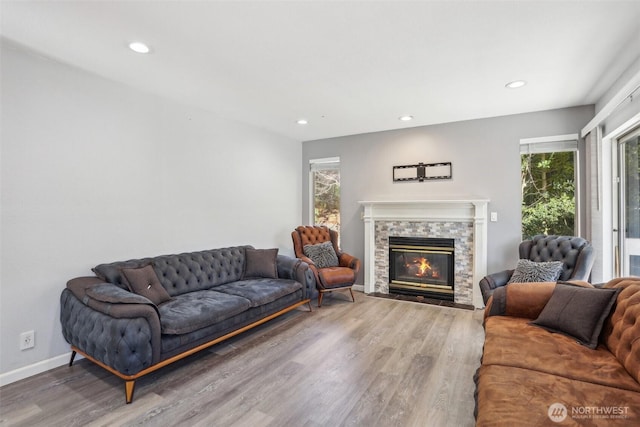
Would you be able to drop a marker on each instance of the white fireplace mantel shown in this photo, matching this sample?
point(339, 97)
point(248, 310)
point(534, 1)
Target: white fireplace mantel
point(471, 209)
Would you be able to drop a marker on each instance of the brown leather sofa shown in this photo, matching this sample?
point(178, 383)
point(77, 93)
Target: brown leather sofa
point(532, 377)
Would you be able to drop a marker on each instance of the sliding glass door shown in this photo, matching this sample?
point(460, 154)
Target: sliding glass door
point(629, 205)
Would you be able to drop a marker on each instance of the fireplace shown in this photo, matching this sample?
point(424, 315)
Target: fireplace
point(422, 266)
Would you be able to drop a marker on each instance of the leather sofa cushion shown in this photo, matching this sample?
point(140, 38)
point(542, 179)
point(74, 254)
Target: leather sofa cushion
point(511, 396)
point(260, 291)
point(194, 310)
point(511, 341)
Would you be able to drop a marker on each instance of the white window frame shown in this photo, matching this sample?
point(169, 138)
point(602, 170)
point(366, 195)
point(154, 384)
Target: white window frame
point(318, 164)
point(558, 143)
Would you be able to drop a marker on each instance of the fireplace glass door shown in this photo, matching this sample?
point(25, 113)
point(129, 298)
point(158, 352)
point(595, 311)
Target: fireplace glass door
point(421, 266)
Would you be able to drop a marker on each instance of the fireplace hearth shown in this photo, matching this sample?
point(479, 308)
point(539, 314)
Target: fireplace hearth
point(422, 266)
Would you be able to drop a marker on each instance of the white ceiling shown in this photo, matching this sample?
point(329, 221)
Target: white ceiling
point(347, 67)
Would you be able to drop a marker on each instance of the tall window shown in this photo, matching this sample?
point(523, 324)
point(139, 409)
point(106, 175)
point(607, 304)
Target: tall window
point(628, 179)
point(548, 170)
point(325, 191)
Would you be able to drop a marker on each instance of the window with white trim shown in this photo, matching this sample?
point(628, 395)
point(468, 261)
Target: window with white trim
point(324, 181)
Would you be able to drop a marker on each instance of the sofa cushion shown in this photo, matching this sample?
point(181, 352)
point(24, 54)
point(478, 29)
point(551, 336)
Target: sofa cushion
point(260, 291)
point(144, 281)
point(512, 341)
point(530, 271)
point(577, 312)
point(322, 254)
point(511, 396)
point(335, 277)
point(194, 310)
point(261, 263)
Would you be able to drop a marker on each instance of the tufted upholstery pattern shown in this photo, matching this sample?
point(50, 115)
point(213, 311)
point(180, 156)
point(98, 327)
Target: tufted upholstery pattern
point(210, 300)
point(622, 330)
point(123, 343)
point(185, 272)
point(525, 368)
point(341, 277)
point(575, 253)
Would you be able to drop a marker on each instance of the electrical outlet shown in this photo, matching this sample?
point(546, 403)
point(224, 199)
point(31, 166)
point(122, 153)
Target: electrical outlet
point(27, 340)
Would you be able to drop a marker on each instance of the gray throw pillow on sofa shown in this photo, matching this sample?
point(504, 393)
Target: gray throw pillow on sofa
point(261, 263)
point(529, 271)
point(144, 281)
point(322, 254)
point(577, 312)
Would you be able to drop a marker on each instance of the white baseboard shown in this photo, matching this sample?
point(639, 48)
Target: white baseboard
point(359, 288)
point(36, 368)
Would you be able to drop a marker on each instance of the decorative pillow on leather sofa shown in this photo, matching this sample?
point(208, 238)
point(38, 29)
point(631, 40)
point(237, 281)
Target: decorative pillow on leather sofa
point(577, 312)
point(322, 254)
point(144, 281)
point(261, 263)
point(529, 271)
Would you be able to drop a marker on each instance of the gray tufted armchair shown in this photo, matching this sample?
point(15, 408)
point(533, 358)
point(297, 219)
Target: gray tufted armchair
point(575, 252)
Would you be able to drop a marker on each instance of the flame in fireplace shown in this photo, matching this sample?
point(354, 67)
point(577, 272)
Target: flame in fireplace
point(424, 266)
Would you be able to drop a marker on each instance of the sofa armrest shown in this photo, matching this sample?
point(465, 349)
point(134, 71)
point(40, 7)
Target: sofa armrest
point(114, 326)
point(297, 269)
point(524, 300)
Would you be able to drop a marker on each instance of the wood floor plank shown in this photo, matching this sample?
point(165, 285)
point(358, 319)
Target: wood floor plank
point(377, 362)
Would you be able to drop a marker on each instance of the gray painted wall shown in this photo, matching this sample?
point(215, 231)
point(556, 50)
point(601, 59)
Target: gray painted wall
point(94, 171)
point(486, 163)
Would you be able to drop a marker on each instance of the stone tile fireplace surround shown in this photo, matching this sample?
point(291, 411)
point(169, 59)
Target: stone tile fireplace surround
point(464, 220)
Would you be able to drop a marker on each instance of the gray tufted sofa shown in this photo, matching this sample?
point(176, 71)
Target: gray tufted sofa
point(575, 252)
point(211, 300)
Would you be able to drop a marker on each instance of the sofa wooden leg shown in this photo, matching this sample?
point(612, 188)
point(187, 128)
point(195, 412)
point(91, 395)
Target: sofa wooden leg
point(309, 304)
point(73, 356)
point(128, 390)
point(352, 298)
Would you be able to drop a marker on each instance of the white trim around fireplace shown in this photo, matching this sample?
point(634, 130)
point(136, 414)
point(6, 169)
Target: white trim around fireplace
point(470, 209)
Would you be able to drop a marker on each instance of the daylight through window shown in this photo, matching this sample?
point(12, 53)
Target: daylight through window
point(325, 186)
point(548, 178)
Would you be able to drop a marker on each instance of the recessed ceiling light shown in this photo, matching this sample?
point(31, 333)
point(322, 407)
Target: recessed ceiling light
point(139, 47)
point(515, 84)
point(302, 121)
point(405, 118)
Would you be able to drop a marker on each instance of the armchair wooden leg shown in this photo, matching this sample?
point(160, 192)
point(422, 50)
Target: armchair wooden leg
point(128, 390)
point(320, 295)
point(73, 356)
point(352, 298)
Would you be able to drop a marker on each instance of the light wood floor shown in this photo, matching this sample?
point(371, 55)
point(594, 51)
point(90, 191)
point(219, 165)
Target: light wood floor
point(377, 362)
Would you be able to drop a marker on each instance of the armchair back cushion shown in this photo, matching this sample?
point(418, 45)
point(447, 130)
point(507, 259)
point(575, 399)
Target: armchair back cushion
point(311, 235)
point(575, 253)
